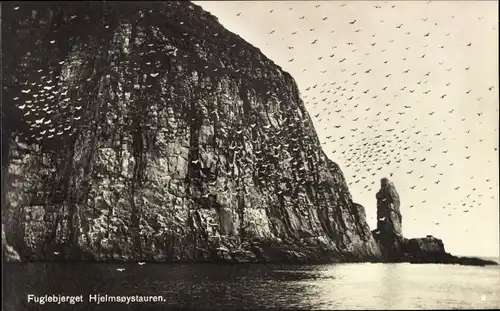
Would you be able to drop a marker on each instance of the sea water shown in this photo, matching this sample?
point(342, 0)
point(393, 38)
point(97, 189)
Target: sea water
point(249, 286)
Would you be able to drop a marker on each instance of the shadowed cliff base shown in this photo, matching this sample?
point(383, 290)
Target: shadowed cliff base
point(145, 131)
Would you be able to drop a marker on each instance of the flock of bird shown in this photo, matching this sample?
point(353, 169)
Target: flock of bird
point(388, 99)
point(39, 112)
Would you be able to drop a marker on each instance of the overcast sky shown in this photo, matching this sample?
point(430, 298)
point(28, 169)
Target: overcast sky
point(408, 88)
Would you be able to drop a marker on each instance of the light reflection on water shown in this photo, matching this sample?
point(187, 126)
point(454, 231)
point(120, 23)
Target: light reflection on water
point(383, 286)
point(250, 286)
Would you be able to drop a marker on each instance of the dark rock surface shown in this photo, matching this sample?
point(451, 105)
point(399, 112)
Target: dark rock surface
point(389, 232)
point(147, 131)
point(9, 254)
point(428, 244)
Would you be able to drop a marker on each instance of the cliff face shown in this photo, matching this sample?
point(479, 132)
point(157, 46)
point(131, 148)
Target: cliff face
point(146, 131)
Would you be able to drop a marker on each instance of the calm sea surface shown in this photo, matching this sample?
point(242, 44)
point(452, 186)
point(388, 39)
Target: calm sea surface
point(252, 286)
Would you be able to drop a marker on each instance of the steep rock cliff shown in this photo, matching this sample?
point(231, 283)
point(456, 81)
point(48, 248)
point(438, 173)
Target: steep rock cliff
point(147, 131)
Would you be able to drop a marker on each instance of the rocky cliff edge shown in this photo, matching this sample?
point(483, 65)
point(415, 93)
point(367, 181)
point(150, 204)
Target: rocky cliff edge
point(147, 131)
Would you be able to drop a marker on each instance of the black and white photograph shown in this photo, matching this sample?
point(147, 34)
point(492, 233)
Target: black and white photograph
point(248, 155)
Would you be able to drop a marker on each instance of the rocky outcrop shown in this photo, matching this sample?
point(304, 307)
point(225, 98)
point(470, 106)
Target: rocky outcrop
point(395, 248)
point(431, 250)
point(428, 244)
point(147, 131)
point(389, 232)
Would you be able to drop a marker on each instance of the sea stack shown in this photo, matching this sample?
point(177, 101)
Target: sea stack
point(395, 248)
point(389, 232)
